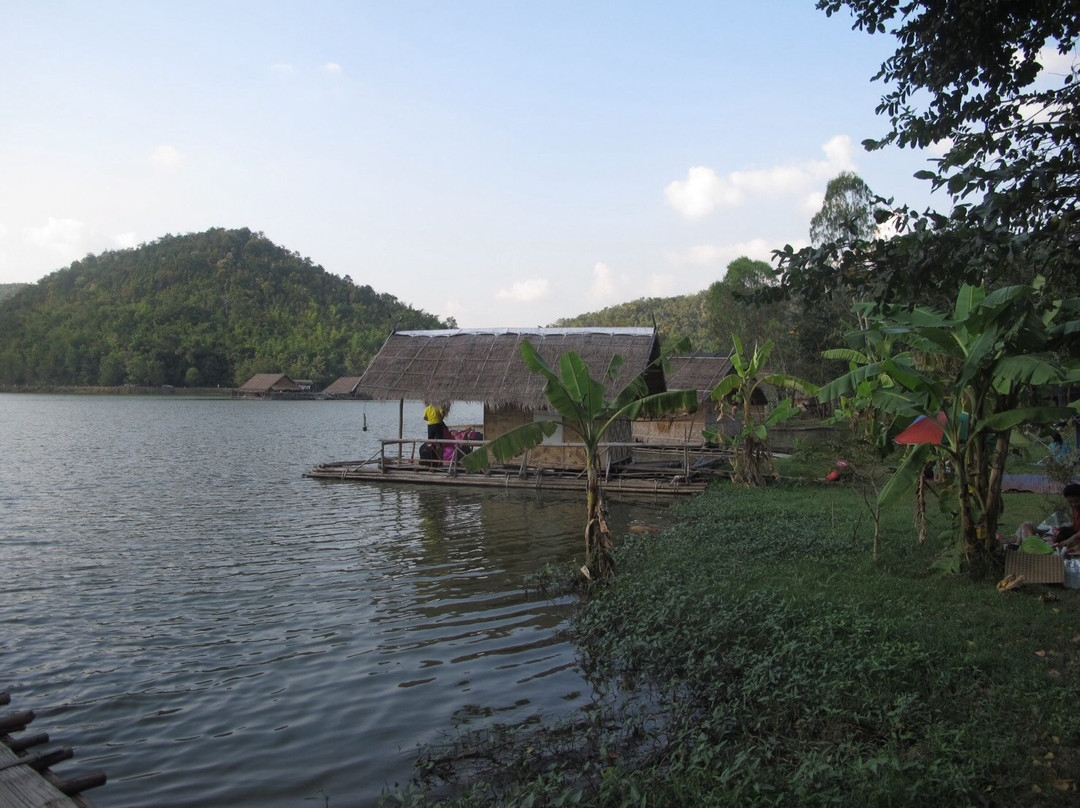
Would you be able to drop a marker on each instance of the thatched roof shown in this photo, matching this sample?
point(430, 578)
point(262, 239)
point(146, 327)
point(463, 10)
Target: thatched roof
point(701, 373)
point(267, 382)
point(485, 365)
point(345, 386)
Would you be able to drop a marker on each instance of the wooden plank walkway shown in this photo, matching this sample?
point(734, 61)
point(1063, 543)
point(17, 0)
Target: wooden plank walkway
point(26, 778)
point(667, 471)
point(655, 485)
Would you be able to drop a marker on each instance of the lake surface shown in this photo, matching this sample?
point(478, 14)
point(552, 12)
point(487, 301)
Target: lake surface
point(211, 628)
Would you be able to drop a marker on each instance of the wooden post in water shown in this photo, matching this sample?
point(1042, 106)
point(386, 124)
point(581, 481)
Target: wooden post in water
point(400, 425)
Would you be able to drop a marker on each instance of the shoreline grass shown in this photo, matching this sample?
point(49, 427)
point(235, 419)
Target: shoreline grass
point(761, 657)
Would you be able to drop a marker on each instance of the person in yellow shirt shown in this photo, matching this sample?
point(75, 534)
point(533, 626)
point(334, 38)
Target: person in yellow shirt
point(435, 416)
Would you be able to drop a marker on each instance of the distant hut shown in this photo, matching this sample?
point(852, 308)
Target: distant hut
point(700, 373)
point(345, 387)
point(485, 365)
point(267, 385)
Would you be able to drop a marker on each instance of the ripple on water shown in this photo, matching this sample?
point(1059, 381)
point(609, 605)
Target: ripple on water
point(211, 628)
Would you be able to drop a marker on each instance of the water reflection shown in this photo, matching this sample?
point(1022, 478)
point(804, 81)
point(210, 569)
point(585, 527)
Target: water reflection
point(211, 628)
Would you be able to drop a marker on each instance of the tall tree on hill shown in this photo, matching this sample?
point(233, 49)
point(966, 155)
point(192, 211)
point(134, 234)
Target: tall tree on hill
point(728, 308)
point(846, 211)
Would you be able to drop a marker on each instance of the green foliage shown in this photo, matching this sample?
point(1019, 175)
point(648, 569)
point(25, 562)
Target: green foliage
point(737, 394)
point(981, 365)
point(968, 75)
point(682, 316)
point(9, 289)
point(742, 303)
point(212, 308)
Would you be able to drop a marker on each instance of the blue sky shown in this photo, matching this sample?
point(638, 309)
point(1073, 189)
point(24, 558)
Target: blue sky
point(504, 163)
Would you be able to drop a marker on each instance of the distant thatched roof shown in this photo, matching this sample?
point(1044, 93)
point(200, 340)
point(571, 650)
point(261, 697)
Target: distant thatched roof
point(485, 365)
point(345, 386)
point(267, 382)
point(701, 373)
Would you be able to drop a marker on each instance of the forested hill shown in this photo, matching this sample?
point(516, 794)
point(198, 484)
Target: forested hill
point(204, 309)
point(680, 316)
point(8, 289)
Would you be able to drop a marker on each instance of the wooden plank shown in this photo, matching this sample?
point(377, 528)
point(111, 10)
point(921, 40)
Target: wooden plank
point(23, 787)
point(650, 485)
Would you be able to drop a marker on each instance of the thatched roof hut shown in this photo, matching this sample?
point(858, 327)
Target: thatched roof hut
point(485, 365)
point(345, 387)
point(697, 372)
point(264, 384)
point(701, 373)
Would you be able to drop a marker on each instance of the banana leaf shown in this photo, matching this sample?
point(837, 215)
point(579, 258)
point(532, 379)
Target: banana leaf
point(509, 445)
point(1035, 369)
point(849, 382)
point(906, 476)
point(1010, 419)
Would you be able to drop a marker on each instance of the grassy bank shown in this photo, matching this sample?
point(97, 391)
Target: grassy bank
point(756, 655)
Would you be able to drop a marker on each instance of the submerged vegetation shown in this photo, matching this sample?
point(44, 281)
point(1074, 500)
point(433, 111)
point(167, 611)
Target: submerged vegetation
point(757, 655)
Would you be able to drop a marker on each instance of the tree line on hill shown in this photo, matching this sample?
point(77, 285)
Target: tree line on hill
point(8, 289)
point(198, 310)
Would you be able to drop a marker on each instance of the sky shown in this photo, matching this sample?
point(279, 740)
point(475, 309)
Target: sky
point(502, 163)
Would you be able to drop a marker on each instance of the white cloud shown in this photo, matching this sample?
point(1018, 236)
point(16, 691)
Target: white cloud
point(838, 152)
point(662, 286)
point(703, 190)
point(701, 193)
point(1058, 63)
point(63, 236)
point(165, 155)
point(607, 287)
point(812, 202)
point(719, 256)
point(124, 240)
point(332, 69)
point(282, 69)
point(526, 291)
point(939, 148)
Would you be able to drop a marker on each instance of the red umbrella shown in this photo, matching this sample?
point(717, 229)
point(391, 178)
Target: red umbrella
point(924, 430)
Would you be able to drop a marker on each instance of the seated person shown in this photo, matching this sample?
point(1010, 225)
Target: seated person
point(1061, 533)
point(1068, 536)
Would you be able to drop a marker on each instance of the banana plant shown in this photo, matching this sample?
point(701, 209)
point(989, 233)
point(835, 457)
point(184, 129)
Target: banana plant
point(736, 395)
point(585, 410)
point(981, 365)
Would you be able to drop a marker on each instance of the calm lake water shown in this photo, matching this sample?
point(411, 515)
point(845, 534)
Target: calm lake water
point(211, 628)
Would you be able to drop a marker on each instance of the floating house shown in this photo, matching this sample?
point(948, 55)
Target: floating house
point(343, 388)
point(267, 385)
point(486, 366)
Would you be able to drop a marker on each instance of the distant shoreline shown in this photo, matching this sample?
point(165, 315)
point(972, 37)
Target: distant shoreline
point(123, 390)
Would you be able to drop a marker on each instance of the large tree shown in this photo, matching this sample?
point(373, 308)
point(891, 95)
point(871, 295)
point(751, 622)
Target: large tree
point(847, 211)
point(993, 84)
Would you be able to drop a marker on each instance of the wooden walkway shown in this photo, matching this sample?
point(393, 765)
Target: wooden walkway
point(685, 473)
point(26, 776)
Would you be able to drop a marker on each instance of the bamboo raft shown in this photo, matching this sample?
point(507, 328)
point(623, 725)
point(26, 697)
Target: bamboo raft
point(663, 472)
point(26, 776)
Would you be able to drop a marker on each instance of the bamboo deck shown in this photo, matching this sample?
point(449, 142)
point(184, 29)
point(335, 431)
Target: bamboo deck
point(26, 777)
point(656, 477)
